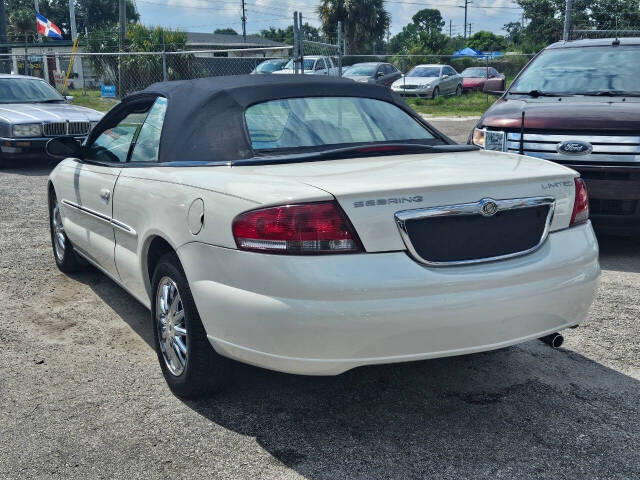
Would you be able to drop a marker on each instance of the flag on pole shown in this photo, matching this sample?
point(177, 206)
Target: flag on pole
point(47, 28)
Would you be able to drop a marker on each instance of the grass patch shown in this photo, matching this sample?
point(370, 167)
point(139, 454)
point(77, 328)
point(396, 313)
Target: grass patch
point(470, 104)
point(92, 99)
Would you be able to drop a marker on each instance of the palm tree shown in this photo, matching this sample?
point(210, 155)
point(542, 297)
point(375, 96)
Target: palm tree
point(364, 22)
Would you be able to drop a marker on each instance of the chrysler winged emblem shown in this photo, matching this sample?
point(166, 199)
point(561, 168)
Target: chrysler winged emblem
point(488, 208)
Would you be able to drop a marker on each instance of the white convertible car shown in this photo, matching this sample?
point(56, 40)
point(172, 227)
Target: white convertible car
point(312, 225)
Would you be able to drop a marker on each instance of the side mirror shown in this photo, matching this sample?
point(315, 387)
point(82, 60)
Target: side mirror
point(68, 98)
point(493, 87)
point(64, 147)
point(379, 74)
point(444, 75)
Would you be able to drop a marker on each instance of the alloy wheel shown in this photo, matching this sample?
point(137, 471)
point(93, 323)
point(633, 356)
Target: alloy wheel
point(59, 238)
point(170, 326)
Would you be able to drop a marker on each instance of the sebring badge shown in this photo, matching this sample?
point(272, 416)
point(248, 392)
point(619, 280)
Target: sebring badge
point(488, 208)
point(574, 147)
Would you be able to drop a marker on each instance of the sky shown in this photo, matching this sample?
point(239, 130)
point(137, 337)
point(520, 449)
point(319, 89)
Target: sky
point(207, 15)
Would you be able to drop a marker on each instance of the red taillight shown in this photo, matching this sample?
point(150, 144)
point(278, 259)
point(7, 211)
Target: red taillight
point(309, 228)
point(581, 204)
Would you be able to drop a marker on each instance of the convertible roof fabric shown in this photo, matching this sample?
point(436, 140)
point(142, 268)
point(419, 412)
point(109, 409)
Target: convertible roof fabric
point(205, 121)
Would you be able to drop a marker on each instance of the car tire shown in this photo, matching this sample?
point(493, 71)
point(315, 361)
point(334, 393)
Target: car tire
point(67, 260)
point(190, 365)
point(459, 90)
point(436, 93)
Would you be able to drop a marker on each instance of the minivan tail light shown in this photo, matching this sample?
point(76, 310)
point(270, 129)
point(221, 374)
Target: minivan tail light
point(302, 229)
point(581, 204)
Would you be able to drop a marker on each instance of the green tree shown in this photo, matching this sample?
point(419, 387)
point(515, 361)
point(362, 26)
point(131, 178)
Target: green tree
point(514, 33)
point(138, 71)
point(422, 36)
point(286, 35)
point(364, 22)
point(486, 41)
point(225, 31)
point(91, 14)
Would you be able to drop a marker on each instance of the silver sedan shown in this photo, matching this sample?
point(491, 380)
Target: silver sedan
point(429, 81)
point(32, 112)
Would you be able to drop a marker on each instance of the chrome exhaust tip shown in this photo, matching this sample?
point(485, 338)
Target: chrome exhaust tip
point(555, 340)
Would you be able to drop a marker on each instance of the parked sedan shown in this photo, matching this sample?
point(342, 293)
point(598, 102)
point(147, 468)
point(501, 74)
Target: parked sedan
point(31, 112)
point(270, 66)
point(429, 81)
point(312, 225)
point(378, 73)
point(475, 79)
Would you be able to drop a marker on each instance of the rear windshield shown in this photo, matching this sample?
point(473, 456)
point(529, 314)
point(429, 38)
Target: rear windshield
point(587, 70)
point(361, 70)
point(319, 121)
point(270, 66)
point(474, 73)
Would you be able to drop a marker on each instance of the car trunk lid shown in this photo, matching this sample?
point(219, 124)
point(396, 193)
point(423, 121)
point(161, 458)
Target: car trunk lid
point(372, 190)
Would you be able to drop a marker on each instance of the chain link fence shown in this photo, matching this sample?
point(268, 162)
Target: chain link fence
point(133, 71)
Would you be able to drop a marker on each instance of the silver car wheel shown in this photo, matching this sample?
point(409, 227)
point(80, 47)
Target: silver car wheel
point(170, 326)
point(59, 238)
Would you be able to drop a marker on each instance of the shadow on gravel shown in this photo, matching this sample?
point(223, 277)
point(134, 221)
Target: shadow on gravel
point(29, 168)
point(127, 308)
point(523, 412)
point(619, 254)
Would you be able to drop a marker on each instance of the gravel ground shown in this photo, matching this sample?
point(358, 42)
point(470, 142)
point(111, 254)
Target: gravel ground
point(82, 395)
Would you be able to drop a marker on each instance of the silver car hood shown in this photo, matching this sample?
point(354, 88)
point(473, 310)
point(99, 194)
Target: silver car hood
point(46, 112)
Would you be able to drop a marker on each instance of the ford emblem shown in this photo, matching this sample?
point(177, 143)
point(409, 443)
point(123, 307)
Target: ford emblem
point(489, 208)
point(574, 147)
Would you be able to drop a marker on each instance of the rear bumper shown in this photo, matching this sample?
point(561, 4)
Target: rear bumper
point(324, 315)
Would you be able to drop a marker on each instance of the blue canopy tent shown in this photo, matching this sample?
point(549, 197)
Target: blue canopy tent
point(473, 53)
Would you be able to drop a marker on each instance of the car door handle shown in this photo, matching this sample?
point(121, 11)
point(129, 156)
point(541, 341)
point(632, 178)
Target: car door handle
point(105, 194)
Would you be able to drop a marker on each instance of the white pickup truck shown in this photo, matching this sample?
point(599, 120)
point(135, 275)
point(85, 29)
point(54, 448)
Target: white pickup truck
point(313, 65)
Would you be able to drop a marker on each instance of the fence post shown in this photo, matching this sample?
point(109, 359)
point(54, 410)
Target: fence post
point(339, 49)
point(26, 59)
point(295, 43)
point(164, 59)
point(301, 39)
point(486, 61)
point(567, 20)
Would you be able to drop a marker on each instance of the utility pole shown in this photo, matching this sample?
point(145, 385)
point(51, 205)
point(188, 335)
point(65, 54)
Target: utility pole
point(296, 53)
point(567, 20)
point(466, 9)
point(450, 29)
point(244, 23)
point(72, 19)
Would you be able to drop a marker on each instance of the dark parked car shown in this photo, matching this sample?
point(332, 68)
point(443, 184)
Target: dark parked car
point(578, 103)
point(270, 66)
point(475, 79)
point(379, 73)
point(32, 112)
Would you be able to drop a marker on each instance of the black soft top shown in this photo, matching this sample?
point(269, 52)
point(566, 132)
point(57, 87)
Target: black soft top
point(205, 120)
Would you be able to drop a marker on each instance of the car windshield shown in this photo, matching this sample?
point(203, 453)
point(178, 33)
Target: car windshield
point(27, 90)
point(270, 66)
point(308, 64)
point(361, 70)
point(424, 72)
point(318, 121)
point(474, 73)
point(588, 70)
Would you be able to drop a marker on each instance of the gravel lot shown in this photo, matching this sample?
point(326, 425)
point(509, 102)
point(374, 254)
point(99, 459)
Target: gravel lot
point(82, 395)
